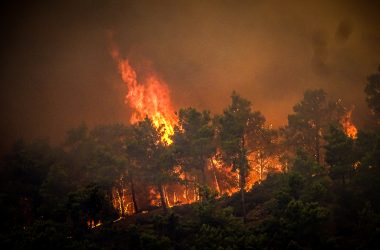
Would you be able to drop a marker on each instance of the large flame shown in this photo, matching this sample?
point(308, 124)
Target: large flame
point(149, 98)
point(348, 127)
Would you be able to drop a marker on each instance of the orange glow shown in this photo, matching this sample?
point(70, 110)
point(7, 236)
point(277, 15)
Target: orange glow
point(92, 224)
point(122, 202)
point(260, 167)
point(154, 197)
point(149, 98)
point(225, 180)
point(349, 128)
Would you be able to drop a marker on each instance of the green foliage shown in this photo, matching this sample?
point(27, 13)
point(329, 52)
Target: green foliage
point(194, 141)
point(153, 156)
point(217, 227)
point(340, 154)
point(48, 195)
point(54, 192)
point(262, 145)
point(236, 123)
point(77, 135)
point(295, 183)
point(207, 210)
point(305, 165)
point(368, 227)
point(210, 237)
point(372, 90)
point(90, 203)
point(310, 121)
point(24, 171)
point(43, 234)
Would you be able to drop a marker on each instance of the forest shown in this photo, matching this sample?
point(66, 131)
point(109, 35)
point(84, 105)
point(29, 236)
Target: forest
point(223, 181)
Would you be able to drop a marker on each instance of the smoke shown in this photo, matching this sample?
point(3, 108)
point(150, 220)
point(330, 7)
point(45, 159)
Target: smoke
point(343, 31)
point(55, 69)
point(320, 53)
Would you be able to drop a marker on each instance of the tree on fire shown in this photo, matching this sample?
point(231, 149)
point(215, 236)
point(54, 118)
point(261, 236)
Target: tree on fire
point(263, 147)
point(154, 157)
point(340, 154)
point(194, 142)
point(309, 123)
point(236, 124)
point(52, 197)
point(96, 158)
point(112, 140)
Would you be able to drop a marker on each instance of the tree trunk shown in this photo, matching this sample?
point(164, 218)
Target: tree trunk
point(133, 195)
point(242, 193)
point(203, 163)
point(317, 145)
point(120, 194)
point(261, 173)
point(167, 197)
point(186, 189)
point(162, 197)
point(343, 179)
point(203, 170)
point(242, 172)
point(120, 201)
point(217, 184)
point(204, 180)
point(215, 177)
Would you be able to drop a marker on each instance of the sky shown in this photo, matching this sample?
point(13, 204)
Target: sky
point(56, 71)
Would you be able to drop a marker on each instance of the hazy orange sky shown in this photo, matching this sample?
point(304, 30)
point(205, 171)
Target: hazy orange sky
point(56, 71)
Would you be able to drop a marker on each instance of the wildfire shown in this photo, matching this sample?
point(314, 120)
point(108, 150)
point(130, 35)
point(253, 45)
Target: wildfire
point(149, 98)
point(349, 128)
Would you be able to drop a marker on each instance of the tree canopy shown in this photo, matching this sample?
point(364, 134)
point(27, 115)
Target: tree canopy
point(227, 181)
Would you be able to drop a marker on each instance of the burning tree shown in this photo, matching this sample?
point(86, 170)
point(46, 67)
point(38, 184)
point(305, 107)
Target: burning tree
point(263, 150)
point(153, 156)
point(311, 119)
point(340, 154)
point(194, 142)
point(236, 124)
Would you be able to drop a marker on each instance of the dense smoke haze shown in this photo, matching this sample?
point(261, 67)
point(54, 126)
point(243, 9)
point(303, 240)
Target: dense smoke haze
point(56, 70)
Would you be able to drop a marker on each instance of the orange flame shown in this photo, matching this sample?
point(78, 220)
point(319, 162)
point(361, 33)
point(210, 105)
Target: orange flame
point(348, 127)
point(149, 98)
point(261, 167)
point(225, 180)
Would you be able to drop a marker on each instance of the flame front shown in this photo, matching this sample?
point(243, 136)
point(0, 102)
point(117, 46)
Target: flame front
point(147, 99)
